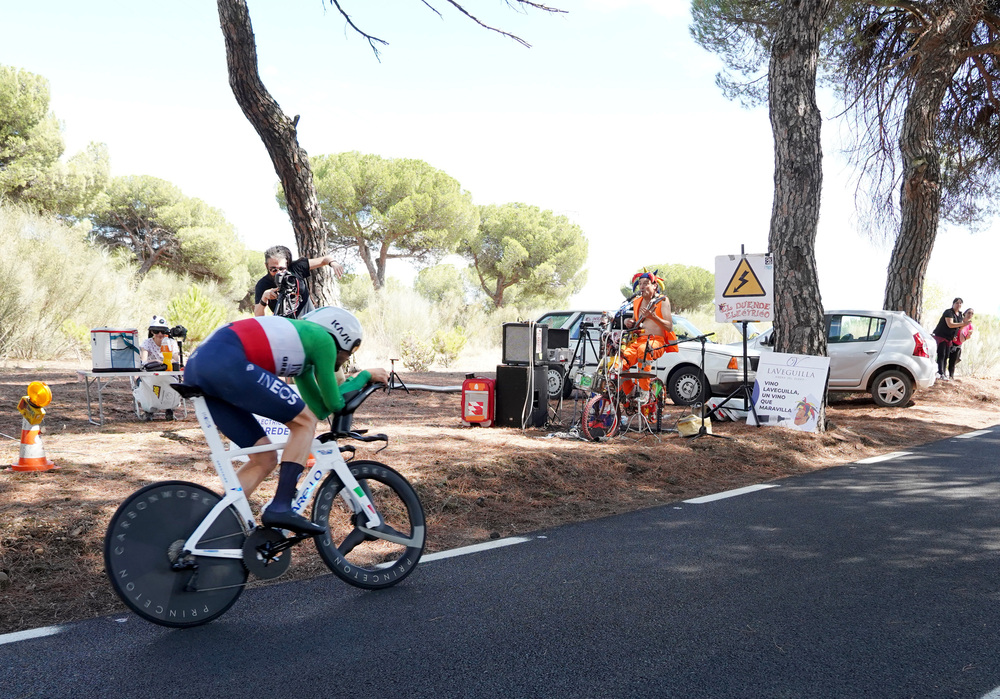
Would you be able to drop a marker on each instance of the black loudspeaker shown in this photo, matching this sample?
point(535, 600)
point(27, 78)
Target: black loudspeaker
point(512, 391)
point(521, 342)
point(558, 338)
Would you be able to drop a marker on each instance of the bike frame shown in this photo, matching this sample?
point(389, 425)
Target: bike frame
point(328, 458)
point(617, 338)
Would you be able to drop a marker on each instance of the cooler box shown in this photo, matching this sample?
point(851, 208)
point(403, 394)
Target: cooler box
point(114, 349)
point(478, 397)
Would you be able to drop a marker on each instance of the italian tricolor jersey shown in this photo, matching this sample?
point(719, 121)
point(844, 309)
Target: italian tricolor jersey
point(282, 346)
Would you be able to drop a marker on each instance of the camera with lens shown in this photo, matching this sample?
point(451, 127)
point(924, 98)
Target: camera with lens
point(179, 332)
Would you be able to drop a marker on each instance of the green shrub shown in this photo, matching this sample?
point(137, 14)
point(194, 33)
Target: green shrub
point(356, 292)
point(415, 354)
point(55, 286)
point(448, 344)
point(197, 312)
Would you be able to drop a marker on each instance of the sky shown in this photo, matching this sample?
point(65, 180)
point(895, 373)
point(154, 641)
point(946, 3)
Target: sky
point(611, 118)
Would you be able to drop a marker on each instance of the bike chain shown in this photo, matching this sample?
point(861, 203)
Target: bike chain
point(257, 581)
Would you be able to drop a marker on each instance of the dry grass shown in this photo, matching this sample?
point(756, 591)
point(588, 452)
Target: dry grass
point(475, 484)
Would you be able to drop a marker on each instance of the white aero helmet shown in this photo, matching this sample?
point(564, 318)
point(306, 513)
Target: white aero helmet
point(159, 323)
point(342, 325)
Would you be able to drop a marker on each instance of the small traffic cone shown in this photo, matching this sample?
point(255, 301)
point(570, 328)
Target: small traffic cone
point(32, 456)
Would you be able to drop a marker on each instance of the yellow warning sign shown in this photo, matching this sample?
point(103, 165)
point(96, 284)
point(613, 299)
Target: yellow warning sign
point(744, 282)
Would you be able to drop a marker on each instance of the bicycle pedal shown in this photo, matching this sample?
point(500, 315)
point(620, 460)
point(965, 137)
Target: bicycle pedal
point(267, 553)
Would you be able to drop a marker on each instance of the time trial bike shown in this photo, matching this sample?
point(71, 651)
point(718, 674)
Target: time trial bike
point(179, 554)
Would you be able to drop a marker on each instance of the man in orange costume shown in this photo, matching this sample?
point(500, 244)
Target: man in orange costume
point(653, 323)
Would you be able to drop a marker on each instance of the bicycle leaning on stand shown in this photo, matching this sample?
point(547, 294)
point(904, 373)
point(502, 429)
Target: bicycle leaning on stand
point(179, 554)
point(611, 410)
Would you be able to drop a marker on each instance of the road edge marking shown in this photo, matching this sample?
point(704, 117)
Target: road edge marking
point(30, 633)
point(474, 548)
point(970, 435)
point(729, 494)
point(884, 457)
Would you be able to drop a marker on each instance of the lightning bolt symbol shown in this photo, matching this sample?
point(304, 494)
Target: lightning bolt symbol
point(743, 281)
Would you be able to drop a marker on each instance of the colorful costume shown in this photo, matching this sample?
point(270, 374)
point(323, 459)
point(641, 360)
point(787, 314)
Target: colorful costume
point(650, 341)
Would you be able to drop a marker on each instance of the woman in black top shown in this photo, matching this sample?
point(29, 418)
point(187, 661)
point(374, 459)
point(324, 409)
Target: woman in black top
point(944, 333)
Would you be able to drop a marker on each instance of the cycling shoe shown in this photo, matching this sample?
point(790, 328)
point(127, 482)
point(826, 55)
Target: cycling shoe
point(293, 522)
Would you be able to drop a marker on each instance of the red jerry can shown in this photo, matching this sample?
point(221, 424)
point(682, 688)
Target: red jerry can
point(478, 400)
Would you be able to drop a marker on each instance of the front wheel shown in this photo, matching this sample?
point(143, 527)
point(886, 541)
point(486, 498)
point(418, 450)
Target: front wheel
point(365, 558)
point(892, 389)
point(688, 386)
point(600, 418)
point(146, 564)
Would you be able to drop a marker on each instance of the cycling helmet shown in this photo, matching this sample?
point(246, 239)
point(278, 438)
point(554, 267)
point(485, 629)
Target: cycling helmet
point(342, 325)
point(159, 324)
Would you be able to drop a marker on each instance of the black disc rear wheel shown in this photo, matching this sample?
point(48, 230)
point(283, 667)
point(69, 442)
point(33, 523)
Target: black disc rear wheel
point(366, 559)
point(143, 550)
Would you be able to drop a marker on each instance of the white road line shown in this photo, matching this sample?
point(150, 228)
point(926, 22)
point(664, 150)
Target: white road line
point(995, 694)
point(884, 457)
point(31, 633)
point(970, 435)
point(429, 558)
point(475, 548)
point(728, 494)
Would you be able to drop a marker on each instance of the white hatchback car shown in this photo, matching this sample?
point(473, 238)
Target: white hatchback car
point(680, 371)
point(885, 353)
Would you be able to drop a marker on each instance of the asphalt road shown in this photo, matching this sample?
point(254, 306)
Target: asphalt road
point(867, 580)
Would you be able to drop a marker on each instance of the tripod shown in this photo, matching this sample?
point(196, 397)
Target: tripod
point(394, 377)
point(639, 406)
point(744, 388)
point(702, 430)
point(580, 351)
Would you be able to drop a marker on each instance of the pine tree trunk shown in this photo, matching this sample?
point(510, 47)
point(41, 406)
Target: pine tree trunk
point(920, 191)
point(798, 177)
point(277, 131)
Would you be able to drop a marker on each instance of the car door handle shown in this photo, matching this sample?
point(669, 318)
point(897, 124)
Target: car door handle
point(870, 351)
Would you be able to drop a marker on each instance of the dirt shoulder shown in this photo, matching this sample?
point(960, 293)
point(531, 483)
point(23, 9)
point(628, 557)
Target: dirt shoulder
point(475, 483)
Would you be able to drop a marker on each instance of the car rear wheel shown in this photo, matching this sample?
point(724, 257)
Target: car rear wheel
point(892, 389)
point(688, 386)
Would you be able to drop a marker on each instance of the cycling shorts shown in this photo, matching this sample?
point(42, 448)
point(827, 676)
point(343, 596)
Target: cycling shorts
point(235, 389)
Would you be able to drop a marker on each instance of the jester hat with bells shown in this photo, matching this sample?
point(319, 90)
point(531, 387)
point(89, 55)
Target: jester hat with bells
point(651, 276)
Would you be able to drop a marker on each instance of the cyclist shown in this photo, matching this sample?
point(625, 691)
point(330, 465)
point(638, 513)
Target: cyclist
point(237, 368)
point(653, 323)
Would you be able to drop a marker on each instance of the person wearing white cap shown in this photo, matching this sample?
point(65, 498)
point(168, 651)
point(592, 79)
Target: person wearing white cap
point(151, 354)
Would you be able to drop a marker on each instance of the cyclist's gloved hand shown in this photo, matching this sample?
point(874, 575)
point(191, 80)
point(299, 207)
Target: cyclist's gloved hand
point(379, 375)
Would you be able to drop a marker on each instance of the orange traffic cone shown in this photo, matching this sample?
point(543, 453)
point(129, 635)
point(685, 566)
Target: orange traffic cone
point(32, 456)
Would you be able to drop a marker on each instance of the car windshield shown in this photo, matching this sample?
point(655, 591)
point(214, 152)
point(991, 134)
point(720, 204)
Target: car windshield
point(555, 320)
point(684, 330)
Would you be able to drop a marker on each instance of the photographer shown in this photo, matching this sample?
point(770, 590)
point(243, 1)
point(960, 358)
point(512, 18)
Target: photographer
point(284, 289)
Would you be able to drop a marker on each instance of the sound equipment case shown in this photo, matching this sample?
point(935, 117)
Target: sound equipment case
point(512, 392)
